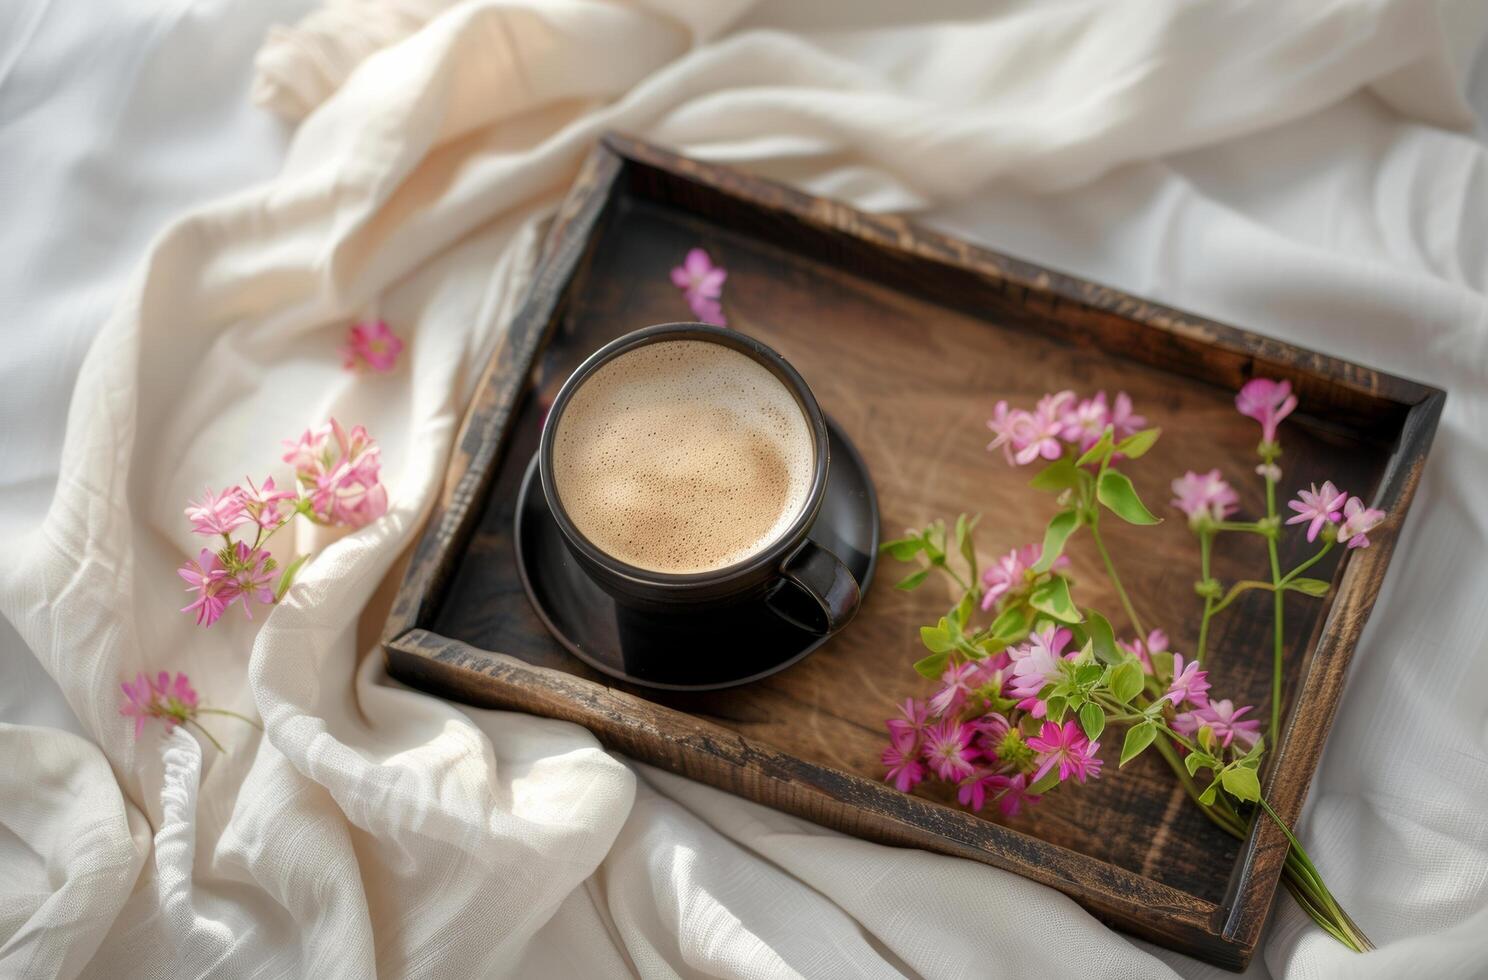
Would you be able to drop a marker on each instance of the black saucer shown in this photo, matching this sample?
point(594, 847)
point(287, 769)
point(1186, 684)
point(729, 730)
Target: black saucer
point(722, 650)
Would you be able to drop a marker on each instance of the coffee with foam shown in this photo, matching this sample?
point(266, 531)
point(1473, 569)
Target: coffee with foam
point(683, 456)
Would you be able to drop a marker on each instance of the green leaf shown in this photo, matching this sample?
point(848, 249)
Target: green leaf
point(932, 666)
point(961, 615)
point(1309, 586)
point(1053, 598)
point(1061, 526)
point(935, 540)
point(1127, 681)
point(287, 579)
point(1011, 624)
point(1120, 497)
point(1136, 445)
point(1102, 637)
point(912, 581)
point(1207, 797)
point(1092, 720)
point(1100, 450)
point(1050, 780)
point(1195, 761)
point(937, 639)
point(1087, 674)
point(1138, 737)
point(1057, 708)
point(1057, 476)
point(1242, 784)
point(968, 544)
point(903, 549)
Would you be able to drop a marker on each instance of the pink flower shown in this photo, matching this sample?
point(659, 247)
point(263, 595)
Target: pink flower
point(1157, 642)
point(1001, 424)
point(1040, 434)
point(1123, 419)
point(214, 587)
point(1269, 471)
point(1223, 718)
point(948, 750)
point(1268, 402)
point(1010, 571)
point(1012, 793)
point(901, 758)
point(262, 503)
point(1036, 664)
point(1204, 498)
point(1318, 506)
point(1189, 683)
point(371, 344)
point(1358, 521)
point(350, 492)
point(707, 310)
point(217, 514)
point(910, 724)
point(255, 578)
point(697, 276)
point(1086, 422)
point(974, 789)
point(173, 701)
point(1066, 746)
point(311, 455)
point(957, 682)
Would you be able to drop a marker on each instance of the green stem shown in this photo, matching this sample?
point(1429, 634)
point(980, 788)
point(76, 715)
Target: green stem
point(1327, 547)
point(1206, 540)
point(230, 714)
point(1251, 527)
point(1244, 585)
point(1298, 855)
point(1277, 600)
point(1100, 545)
point(199, 728)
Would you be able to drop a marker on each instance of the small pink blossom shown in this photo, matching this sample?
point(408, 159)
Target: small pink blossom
point(217, 514)
point(1036, 664)
point(1067, 747)
point(1204, 497)
point(346, 489)
point(262, 503)
point(974, 789)
point(1157, 642)
point(373, 345)
point(214, 587)
point(990, 729)
point(1001, 424)
point(901, 758)
point(173, 701)
point(1010, 572)
point(1123, 419)
point(1086, 422)
point(255, 578)
point(1012, 793)
point(1358, 521)
point(311, 454)
point(1268, 402)
point(707, 311)
point(956, 683)
point(1269, 471)
point(911, 721)
point(698, 276)
point(1189, 683)
point(948, 750)
point(1317, 506)
point(1223, 718)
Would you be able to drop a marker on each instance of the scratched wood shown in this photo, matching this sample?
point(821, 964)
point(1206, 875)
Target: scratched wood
point(908, 338)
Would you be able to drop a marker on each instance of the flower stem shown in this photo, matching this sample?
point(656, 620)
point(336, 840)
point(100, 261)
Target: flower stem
point(1100, 545)
point(215, 743)
point(1327, 547)
point(230, 714)
point(1206, 540)
point(1277, 600)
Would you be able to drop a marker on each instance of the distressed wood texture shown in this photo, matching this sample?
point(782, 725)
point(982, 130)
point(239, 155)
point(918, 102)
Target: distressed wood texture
point(908, 338)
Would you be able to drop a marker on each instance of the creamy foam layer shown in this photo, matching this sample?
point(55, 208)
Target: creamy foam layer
point(682, 456)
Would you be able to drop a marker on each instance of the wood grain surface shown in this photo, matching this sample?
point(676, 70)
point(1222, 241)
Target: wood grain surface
point(908, 339)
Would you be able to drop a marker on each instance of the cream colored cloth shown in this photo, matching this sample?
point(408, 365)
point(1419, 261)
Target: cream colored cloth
point(1278, 165)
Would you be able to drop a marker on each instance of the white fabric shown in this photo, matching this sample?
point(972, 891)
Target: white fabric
point(1281, 166)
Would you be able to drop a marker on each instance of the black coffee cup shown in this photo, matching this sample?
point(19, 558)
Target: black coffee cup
point(795, 578)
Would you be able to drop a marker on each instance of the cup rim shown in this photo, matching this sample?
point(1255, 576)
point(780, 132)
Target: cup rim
point(769, 358)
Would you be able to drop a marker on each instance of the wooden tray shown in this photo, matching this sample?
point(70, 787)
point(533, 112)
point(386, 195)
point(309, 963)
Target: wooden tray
point(908, 338)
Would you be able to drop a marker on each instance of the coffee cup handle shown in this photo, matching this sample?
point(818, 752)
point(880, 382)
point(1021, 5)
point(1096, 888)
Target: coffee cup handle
point(822, 578)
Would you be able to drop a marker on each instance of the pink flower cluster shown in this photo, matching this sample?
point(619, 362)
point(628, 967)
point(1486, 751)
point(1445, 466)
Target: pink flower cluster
point(1059, 420)
point(338, 472)
point(1204, 498)
point(1318, 507)
point(1188, 687)
point(959, 738)
point(172, 700)
point(701, 283)
point(1268, 402)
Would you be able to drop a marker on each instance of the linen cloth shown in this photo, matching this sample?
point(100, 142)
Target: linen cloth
point(1286, 167)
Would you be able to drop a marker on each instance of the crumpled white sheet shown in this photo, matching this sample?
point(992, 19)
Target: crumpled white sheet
point(1281, 166)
